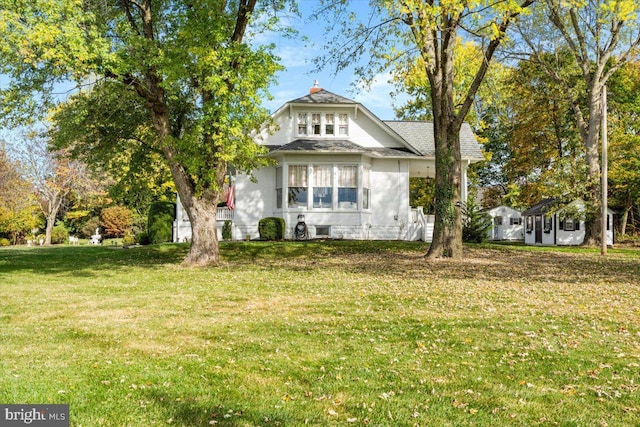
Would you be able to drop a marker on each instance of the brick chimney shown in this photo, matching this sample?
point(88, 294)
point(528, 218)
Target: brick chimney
point(315, 88)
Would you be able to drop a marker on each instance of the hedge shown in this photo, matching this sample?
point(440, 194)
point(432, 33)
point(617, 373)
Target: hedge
point(271, 228)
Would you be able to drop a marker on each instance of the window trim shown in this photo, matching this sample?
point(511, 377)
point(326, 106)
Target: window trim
point(309, 124)
point(332, 205)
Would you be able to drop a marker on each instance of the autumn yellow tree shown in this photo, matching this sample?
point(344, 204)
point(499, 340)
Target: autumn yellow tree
point(400, 31)
point(19, 213)
point(52, 174)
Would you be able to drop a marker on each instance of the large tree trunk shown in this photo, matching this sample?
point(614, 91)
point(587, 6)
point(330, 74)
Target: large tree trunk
point(593, 199)
point(204, 232)
point(51, 220)
point(447, 233)
point(201, 208)
point(625, 217)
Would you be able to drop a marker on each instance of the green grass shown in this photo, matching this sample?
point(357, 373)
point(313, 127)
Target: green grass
point(323, 333)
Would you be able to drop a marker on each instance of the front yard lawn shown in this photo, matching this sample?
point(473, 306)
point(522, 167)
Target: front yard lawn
point(323, 333)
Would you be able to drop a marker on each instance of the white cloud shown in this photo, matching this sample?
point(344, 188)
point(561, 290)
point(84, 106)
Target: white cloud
point(377, 97)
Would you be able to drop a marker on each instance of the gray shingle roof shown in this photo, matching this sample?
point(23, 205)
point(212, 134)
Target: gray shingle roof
point(419, 134)
point(338, 146)
point(540, 208)
point(322, 97)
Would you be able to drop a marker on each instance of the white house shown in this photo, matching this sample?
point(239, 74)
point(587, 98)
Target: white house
point(506, 223)
point(546, 224)
point(341, 169)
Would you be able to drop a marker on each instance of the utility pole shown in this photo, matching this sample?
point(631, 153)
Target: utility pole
point(605, 217)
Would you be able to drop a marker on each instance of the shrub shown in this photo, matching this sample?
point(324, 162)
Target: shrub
point(128, 240)
point(89, 229)
point(116, 221)
point(226, 230)
point(76, 220)
point(5, 242)
point(475, 223)
point(143, 238)
point(160, 222)
point(59, 234)
point(271, 228)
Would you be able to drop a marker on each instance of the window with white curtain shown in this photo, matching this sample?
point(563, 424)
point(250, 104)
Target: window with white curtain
point(316, 126)
point(329, 123)
point(322, 124)
point(298, 186)
point(347, 187)
point(343, 124)
point(302, 123)
point(366, 188)
point(322, 186)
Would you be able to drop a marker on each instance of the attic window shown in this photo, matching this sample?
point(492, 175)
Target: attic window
point(515, 221)
point(315, 124)
point(329, 123)
point(302, 123)
point(343, 124)
point(322, 124)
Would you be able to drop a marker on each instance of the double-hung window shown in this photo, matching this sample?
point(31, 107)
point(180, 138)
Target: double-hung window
point(348, 187)
point(366, 188)
point(303, 119)
point(529, 224)
point(329, 124)
point(343, 124)
point(279, 188)
point(322, 124)
point(322, 186)
point(316, 124)
point(298, 186)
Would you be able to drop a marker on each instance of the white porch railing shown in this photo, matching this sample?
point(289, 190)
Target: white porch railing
point(422, 226)
point(224, 214)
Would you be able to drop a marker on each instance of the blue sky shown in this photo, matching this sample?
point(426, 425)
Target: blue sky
point(297, 57)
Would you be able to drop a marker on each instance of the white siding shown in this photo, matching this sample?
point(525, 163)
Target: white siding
point(506, 231)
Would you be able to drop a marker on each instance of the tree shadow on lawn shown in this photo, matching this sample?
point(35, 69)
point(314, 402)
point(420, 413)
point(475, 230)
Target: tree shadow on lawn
point(214, 410)
point(401, 260)
point(503, 265)
point(87, 261)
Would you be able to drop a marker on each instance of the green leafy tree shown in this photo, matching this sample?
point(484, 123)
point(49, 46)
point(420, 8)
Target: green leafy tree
point(624, 140)
point(422, 193)
point(110, 130)
point(546, 154)
point(193, 67)
point(600, 35)
point(426, 33)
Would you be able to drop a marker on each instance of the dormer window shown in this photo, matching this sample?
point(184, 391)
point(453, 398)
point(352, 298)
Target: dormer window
point(343, 124)
point(302, 123)
point(323, 124)
point(316, 127)
point(329, 123)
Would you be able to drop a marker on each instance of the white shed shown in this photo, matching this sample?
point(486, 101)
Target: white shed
point(506, 223)
point(548, 224)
